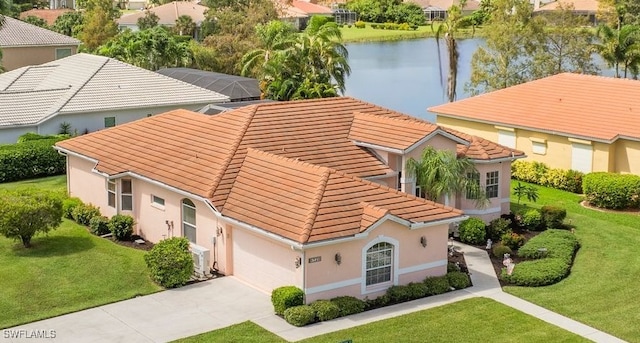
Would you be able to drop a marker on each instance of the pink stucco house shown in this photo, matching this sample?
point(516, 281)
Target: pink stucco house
point(307, 193)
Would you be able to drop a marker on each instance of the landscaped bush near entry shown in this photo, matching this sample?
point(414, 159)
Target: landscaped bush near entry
point(472, 231)
point(83, 213)
point(349, 305)
point(497, 228)
point(170, 263)
point(99, 225)
point(325, 310)
point(512, 240)
point(613, 191)
point(532, 219)
point(287, 296)
point(499, 250)
point(360, 24)
point(552, 252)
point(552, 217)
point(300, 315)
point(458, 280)
point(121, 226)
point(539, 173)
point(68, 205)
point(30, 159)
point(437, 285)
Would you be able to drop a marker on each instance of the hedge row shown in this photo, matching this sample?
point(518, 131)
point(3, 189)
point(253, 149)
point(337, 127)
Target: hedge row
point(30, 159)
point(552, 254)
point(539, 173)
point(613, 191)
point(121, 226)
point(288, 300)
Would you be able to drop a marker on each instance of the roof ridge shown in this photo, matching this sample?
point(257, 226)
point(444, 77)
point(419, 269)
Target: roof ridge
point(315, 206)
point(232, 152)
point(107, 59)
point(17, 77)
point(33, 90)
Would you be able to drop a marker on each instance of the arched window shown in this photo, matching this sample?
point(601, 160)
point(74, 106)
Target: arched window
point(379, 263)
point(189, 220)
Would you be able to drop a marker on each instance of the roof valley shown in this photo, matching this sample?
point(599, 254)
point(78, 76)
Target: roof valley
point(66, 101)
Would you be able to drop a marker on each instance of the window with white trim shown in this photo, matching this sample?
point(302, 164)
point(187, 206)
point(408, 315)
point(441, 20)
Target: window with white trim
point(379, 263)
point(493, 180)
point(126, 195)
point(157, 201)
point(189, 220)
point(473, 189)
point(111, 193)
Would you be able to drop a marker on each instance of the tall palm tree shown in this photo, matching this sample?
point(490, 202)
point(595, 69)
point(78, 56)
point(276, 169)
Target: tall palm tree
point(620, 48)
point(440, 173)
point(448, 30)
point(274, 37)
point(185, 26)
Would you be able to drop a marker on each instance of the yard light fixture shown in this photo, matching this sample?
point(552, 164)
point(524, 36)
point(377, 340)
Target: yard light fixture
point(338, 258)
point(298, 262)
point(423, 241)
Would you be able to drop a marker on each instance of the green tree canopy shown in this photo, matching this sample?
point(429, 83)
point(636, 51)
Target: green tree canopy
point(99, 23)
point(185, 26)
point(150, 20)
point(620, 48)
point(37, 21)
point(24, 213)
point(69, 24)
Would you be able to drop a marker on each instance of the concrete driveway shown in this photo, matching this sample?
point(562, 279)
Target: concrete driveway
point(159, 317)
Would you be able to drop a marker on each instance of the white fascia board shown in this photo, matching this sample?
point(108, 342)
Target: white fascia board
point(421, 225)
point(433, 134)
point(378, 177)
point(378, 147)
point(294, 245)
point(497, 160)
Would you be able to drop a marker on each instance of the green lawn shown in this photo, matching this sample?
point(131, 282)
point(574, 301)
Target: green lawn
point(65, 271)
point(601, 290)
point(472, 320)
point(368, 34)
point(53, 183)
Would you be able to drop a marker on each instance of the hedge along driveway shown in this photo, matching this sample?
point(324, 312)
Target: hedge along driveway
point(66, 271)
point(601, 289)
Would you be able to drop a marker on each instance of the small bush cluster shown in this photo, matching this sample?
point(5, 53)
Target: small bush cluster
point(349, 305)
point(121, 226)
point(394, 26)
point(612, 191)
point(553, 217)
point(497, 228)
point(82, 213)
point(513, 240)
point(499, 250)
point(30, 159)
point(170, 263)
point(325, 310)
point(552, 254)
point(458, 280)
point(472, 231)
point(300, 315)
point(532, 219)
point(68, 205)
point(539, 173)
point(99, 225)
point(285, 297)
point(360, 24)
point(437, 285)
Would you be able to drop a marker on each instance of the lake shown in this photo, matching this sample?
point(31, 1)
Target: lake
point(405, 75)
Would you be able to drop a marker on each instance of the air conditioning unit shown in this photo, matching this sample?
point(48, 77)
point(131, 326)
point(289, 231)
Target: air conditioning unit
point(200, 260)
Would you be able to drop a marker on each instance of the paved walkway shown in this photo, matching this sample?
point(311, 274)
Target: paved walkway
point(222, 302)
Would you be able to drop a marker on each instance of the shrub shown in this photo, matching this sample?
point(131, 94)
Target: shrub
point(349, 26)
point(121, 226)
point(99, 225)
point(68, 205)
point(83, 213)
point(170, 263)
point(300, 315)
point(398, 294)
point(499, 250)
point(458, 280)
point(30, 159)
point(552, 217)
point(437, 285)
point(532, 219)
point(349, 305)
point(285, 297)
point(472, 231)
point(374, 26)
point(539, 173)
point(613, 191)
point(560, 244)
point(378, 302)
point(535, 273)
point(390, 26)
point(530, 172)
point(452, 267)
point(497, 228)
point(24, 213)
point(360, 24)
point(513, 240)
point(574, 181)
point(325, 310)
point(404, 27)
point(417, 290)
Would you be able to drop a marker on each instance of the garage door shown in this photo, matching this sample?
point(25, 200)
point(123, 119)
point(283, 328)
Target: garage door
point(262, 263)
point(581, 157)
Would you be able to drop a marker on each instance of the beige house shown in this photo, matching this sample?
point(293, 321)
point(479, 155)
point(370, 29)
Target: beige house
point(24, 44)
point(305, 193)
point(90, 93)
point(569, 121)
point(48, 15)
point(167, 14)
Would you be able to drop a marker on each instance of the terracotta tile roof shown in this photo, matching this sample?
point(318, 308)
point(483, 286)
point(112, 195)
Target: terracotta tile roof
point(482, 149)
point(169, 13)
point(311, 8)
point(48, 15)
point(308, 203)
point(573, 105)
point(578, 5)
point(397, 133)
point(17, 33)
point(444, 5)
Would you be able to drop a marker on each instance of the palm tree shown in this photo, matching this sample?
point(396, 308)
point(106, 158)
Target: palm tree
point(620, 48)
point(185, 26)
point(448, 30)
point(440, 173)
point(275, 37)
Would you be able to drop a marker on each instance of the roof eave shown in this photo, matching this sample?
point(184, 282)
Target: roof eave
point(498, 160)
point(420, 225)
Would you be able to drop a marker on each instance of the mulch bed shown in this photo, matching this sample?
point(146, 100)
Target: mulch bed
point(132, 244)
point(586, 204)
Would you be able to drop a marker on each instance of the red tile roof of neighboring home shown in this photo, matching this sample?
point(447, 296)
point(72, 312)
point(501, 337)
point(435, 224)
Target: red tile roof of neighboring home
point(471, 5)
point(49, 16)
point(169, 13)
point(205, 155)
point(578, 5)
point(310, 8)
point(308, 203)
point(574, 105)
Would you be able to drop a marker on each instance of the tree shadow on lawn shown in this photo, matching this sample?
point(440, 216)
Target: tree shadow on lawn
point(48, 246)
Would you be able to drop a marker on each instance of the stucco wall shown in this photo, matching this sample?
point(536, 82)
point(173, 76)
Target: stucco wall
point(496, 206)
point(11, 135)
point(627, 156)
point(14, 58)
point(86, 185)
point(326, 279)
point(439, 142)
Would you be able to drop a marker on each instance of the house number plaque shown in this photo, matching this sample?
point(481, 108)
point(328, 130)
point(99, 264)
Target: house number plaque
point(315, 259)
